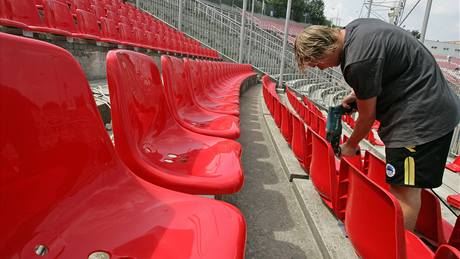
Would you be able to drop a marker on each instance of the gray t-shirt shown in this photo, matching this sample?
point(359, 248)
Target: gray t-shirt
point(415, 105)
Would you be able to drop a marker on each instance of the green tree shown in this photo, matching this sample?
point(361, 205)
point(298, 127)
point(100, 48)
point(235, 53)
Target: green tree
point(315, 12)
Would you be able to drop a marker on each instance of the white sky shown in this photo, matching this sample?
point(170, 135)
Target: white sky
point(443, 24)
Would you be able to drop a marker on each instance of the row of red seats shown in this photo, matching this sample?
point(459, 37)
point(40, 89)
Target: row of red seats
point(356, 191)
point(116, 23)
point(183, 143)
point(64, 190)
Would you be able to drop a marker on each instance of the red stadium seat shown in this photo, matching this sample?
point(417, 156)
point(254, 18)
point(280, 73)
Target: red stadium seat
point(454, 200)
point(455, 165)
point(87, 25)
point(323, 168)
point(153, 144)
point(376, 170)
point(185, 111)
point(203, 100)
point(67, 192)
point(454, 239)
point(126, 34)
point(374, 221)
point(447, 252)
point(277, 112)
point(109, 31)
point(286, 123)
point(59, 17)
point(430, 222)
point(24, 14)
point(299, 141)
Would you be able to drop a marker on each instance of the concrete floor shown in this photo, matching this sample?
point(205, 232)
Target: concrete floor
point(276, 226)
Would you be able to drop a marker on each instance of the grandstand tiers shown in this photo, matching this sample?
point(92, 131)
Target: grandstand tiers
point(123, 137)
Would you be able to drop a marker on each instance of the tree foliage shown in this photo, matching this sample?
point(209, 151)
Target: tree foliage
point(311, 11)
point(315, 11)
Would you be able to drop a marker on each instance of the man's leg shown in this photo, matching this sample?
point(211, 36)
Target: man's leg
point(410, 201)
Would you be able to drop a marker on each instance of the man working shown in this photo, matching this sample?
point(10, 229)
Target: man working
point(397, 81)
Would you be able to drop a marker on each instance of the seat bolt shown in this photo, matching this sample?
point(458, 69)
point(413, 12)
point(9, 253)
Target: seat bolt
point(99, 255)
point(41, 250)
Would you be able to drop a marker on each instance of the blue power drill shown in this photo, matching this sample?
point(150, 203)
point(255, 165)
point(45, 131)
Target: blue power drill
point(334, 124)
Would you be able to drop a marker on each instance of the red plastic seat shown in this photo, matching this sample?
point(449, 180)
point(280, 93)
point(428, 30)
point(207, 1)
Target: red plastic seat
point(197, 84)
point(374, 221)
point(224, 92)
point(454, 239)
point(65, 189)
point(298, 143)
point(109, 32)
point(447, 252)
point(277, 112)
point(286, 123)
point(24, 14)
point(376, 170)
point(323, 171)
point(87, 25)
point(126, 34)
point(153, 144)
point(185, 111)
point(454, 200)
point(429, 222)
point(59, 17)
point(455, 165)
point(373, 140)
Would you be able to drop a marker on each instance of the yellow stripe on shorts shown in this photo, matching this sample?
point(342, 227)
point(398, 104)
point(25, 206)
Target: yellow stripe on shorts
point(409, 171)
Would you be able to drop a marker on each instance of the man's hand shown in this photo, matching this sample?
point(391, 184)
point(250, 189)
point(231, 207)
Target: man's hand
point(349, 99)
point(347, 149)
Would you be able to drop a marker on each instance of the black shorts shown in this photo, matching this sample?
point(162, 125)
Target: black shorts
point(419, 166)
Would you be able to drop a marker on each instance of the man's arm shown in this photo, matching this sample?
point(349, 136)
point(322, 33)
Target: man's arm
point(366, 118)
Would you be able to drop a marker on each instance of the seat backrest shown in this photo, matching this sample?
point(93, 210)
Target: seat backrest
point(196, 77)
point(58, 15)
point(139, 109)
point(447, 252)
point(87, 23)
point(23, 11)
point(298, 138)
point(322, 167)
point(373, 218)
point(109, 29)
point(53, 142)
point(429, 220)
point(176, 82)
point(454, 239)
point(286, 123)
point(376, 170)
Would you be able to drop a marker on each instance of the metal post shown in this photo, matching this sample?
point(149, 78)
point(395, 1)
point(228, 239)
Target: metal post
point(250, 33)
point(263, 7)
point(286, 25)
point(425, 21)
point(137, 4)
point(245, 4)
point(369, 10)
point(179, 25)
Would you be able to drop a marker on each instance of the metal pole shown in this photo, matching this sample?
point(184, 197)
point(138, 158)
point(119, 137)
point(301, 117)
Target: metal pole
point(263, 7)
point(137, 4)
point(250, 33)
point(369, 10)
point(425, 21)
point(240, 57)
point(286, 25)
point(179, 25)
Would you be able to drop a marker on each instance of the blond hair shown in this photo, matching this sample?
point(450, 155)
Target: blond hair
point(314, 43)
